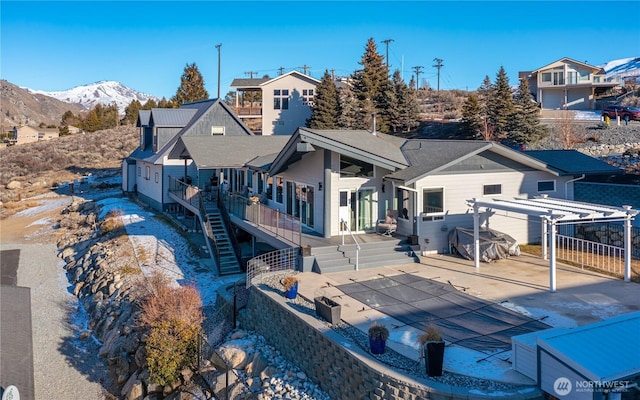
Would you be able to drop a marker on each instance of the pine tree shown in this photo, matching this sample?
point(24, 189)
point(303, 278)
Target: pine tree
point(366, 85)
point(472, 115)
point(131, 112)
point(501, 107)
point(348, 108)
point(149, 104)
point(326, 105)
point(409, 105)
point(526, 127)
point(191, 86)
point(164, 103)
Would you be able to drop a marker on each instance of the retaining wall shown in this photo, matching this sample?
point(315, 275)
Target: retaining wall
point(343, 373)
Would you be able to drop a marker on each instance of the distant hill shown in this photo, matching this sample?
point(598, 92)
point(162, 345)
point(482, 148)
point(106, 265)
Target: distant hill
point(19, 106)
point(625, 68)
point(103, 92)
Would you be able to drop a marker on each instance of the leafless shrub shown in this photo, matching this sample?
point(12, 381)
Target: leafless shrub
point(566, 130)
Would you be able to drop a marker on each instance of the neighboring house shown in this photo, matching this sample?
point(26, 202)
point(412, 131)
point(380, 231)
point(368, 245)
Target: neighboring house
point(567, 84)
point(147, 170)
point(275, 106)
point(28, 134)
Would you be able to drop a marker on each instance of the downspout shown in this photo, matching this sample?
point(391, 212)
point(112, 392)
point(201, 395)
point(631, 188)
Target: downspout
point(566, 186)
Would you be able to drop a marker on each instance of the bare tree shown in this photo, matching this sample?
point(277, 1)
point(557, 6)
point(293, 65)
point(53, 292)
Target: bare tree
point(566, 130)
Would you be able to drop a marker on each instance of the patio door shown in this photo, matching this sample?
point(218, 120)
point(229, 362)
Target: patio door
point(357, 208)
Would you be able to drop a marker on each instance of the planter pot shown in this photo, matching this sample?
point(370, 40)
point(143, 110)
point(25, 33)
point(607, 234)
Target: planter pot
point(433, 358)
point(292, 292)
point(377, 345)
point(327, 309)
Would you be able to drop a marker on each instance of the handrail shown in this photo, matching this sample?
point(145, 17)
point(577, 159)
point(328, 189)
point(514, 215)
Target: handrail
point(343, 225)
point(227, 222)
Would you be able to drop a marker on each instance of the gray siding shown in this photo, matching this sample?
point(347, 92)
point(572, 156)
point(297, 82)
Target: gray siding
point(164, 135)
point(217, 116)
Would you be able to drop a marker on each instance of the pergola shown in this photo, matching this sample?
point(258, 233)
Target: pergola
point(552, 212)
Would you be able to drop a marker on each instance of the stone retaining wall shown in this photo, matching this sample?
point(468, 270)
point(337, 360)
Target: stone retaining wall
point(343, 373)
point(607, 193)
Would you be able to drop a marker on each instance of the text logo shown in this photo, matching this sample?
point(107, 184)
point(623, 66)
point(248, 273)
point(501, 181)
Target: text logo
point(562, 386)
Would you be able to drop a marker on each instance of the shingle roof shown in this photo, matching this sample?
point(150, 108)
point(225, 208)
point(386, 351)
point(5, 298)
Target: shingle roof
point(428, 155)
point(573, 162)
point(248, 82)
point(228, 151)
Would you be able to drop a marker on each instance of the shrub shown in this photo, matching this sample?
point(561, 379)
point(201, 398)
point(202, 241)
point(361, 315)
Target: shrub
point(174, 316)
point(289, 281)
point(431, 334)
point(378, 331)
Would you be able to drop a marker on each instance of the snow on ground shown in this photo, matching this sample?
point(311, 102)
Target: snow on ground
point(158, 245)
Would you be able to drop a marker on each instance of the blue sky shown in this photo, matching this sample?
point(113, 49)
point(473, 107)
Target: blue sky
point(145, 45)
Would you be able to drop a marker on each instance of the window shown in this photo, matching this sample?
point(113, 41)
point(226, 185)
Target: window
point(250, 179)
point(572, 77)
point(260, 182)
point(217, 130)
point(558, 78)
point(157, 177)
point(546, 186)
point(148, 174)
point(279, 189)
point(280, 99)
point(433, 200)
point(307, 97)
point(270, 188)
point(353, 168)
point(546, 77)
point(139, 171)
point(584, 75)
point(492, 189)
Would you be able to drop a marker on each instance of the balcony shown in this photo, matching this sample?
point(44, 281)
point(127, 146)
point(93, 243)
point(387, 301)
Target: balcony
point(248, 112)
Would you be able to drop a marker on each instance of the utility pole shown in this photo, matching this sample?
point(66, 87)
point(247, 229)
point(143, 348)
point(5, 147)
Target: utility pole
point(417, 68)
point(218, 47)
point(305, 68)
point(250, 73)
point(387, 41)
point(280, 70)
point(438, 65)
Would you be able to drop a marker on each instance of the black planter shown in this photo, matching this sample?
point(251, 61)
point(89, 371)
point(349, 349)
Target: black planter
point(433, 358)
point(377, 345)
point(327, 309)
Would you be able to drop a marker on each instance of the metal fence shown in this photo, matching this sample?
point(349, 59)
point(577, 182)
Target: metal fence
point(275, 261)
point(606, 233)
point(586, 253)
point(281, 224)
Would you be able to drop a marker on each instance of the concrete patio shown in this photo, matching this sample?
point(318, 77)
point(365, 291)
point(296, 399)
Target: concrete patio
point(518, 283)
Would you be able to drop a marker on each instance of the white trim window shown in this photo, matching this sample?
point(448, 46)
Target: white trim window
point(148, 174)
point(432, 204)
point(546, 186)
point(492, 190)
point(280, 99)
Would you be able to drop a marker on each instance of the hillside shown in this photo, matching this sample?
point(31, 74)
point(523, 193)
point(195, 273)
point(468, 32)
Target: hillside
point(35, 168)
point(19, 106)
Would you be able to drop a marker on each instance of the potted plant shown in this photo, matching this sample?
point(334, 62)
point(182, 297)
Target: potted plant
point(290, 285)
point(432, 348)
point(378, 335)
point(327, 309)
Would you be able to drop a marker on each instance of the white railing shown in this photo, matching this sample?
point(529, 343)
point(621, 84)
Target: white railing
point(275, 261)
point(590, 254)
point(345, 227)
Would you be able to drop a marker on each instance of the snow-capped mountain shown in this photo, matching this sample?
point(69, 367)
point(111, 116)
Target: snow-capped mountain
point(103, 92)
point(624, 68)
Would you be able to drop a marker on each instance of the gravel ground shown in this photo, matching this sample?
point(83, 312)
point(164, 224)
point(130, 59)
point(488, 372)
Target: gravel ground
point(64, 366)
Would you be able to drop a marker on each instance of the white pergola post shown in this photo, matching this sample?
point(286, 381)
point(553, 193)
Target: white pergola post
point(627, 244)
point(544, 238)
point(552, 256)
point(476, 235)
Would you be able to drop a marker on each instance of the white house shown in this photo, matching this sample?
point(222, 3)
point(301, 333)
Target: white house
point(275, 106)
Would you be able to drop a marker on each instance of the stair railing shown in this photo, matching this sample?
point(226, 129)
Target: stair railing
point(345, 227)
point(220, 201)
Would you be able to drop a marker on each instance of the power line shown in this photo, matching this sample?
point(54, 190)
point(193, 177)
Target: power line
point(417, 68)
point(438, 65)
point(387, 41)
point(251, 73)
point(305, 68)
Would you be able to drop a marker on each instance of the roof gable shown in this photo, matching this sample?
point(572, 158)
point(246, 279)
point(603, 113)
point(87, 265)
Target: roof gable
point(564, 61)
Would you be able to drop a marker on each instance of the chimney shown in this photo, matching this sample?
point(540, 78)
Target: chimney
point(373, 117)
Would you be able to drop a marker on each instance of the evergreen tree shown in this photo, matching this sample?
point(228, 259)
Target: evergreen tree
point(501, 107)
point(149, 104)
point(191, 86)
point(409, 105)
point(366, 85)
point(68, 118)
point(472, 115)
point(526, 127)
point(348, 108)
point(326, 105)
point(164, 103)
point(131, 112)
point(386, 107)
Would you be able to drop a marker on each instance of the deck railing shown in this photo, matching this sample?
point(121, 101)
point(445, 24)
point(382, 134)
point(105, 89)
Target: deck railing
point(281, 224)
point(344, 227)
point(275, 261)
